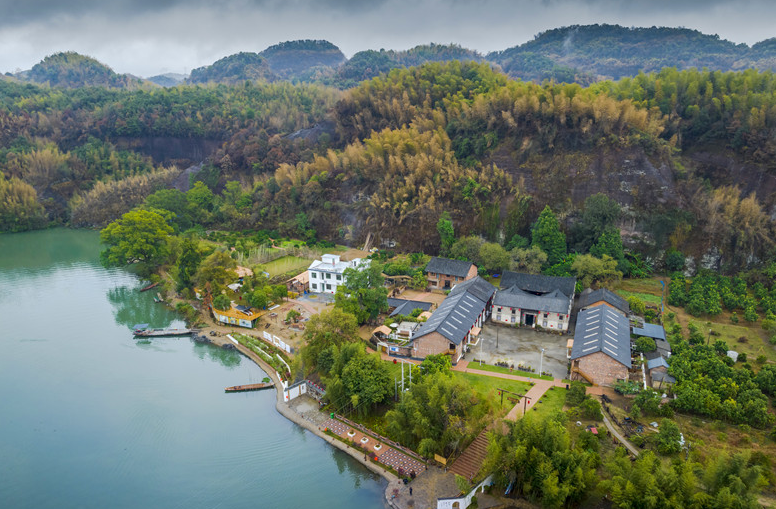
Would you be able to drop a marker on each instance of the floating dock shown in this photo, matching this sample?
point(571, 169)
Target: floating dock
point(144, 332)
point(249, 387)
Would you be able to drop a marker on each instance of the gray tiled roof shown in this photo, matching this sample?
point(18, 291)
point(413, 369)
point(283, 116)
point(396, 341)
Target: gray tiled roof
point(405, 307)
point(602, 294)
point(514, 297)
point(657, 362)
point(455, 317)
point(537, 283)
point(601, 329)
point(477, 287)
point(651, 330)
point(658, 376)
point(449, 267)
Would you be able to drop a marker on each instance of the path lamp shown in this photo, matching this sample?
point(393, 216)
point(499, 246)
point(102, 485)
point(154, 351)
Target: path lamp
point(541, 361)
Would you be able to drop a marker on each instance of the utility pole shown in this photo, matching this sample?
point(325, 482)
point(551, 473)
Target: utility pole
point(541, 362)
point(482, 340)
point(402, 380)
point(496, 338)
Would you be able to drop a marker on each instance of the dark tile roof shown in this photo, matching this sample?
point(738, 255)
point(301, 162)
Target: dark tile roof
point(657, 362)
point(663, 345)
point(514, 297)
point(602, 294)
point(658, 376)
point(449, 267)
point(405, 307)
point(477, 287)
point(601, 329)
point(455, 317)
point(651, 330)
point(537, 283)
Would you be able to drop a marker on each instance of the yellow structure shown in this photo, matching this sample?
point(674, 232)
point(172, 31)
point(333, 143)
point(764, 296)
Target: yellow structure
point(241, 316)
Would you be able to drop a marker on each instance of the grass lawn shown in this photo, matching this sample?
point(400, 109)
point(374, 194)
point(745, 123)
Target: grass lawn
point(285, 264)
point(499, 369)
point(552, 401)
point(650, 286)
point(646, 297)
point(488, 386)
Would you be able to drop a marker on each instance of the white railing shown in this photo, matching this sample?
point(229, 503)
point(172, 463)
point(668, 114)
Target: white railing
point(465, 501)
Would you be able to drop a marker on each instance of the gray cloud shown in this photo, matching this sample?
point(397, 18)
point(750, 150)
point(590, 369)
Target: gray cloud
point(146, 37)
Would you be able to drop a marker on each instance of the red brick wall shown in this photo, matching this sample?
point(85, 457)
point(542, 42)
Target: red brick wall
point(601, 368)
point(434, 343)
point(471, 274)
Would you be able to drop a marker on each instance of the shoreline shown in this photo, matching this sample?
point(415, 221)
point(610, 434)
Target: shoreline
point(289, 413)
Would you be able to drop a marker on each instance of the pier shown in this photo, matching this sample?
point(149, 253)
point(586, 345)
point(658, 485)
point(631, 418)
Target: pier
point(249, 387)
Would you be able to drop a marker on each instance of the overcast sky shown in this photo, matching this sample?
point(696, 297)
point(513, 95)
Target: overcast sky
point(148, 37)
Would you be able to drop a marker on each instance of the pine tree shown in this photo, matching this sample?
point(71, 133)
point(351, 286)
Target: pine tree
point(547, 235)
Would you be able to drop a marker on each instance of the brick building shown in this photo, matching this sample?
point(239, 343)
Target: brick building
point(456, 322)
point(591, 298)
point(601, 353)
point(443, 273)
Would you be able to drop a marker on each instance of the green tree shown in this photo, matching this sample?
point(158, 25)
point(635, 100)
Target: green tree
point(330, 327)
point(674, 260)
point(530, 260)
point(546, 235)
point(610, 243)
point(446, 233)
point(258, 298)
point(362, 294)
point(645, 345)
point(668, 437)
point(598, 214)
point(494, 257)
point(467, 248)
point(437, 363)
point(218, 269)
point(594, 271)
point(139, 236)
point(173, 201)
point(188, 262)
point(637, 305)
point(515, 219)
point(222, 302)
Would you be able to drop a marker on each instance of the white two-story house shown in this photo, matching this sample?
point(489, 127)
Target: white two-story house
point(326, 274)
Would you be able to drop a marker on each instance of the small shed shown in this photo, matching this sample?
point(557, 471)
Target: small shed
point(651, 330)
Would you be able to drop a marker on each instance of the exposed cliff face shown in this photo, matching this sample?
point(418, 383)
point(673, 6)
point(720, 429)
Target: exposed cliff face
point(723, 168)
point(168, 150)
point(628, 175)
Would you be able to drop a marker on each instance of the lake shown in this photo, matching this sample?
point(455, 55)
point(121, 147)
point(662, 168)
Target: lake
point(90, 417)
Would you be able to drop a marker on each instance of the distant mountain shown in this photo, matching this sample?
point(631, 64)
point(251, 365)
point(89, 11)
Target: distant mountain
point(234, 69)
point(169, 79)
point(303, 60)
point(370, 63)
point(582, 53)
point(72, 70)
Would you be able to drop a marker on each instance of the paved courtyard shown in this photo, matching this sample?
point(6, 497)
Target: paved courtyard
point(521, 346)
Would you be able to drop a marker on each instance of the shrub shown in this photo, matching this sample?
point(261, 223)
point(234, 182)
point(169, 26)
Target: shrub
point(734, 317)
point(760, 359)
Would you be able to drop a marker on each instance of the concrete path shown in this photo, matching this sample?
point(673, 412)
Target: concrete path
point(619, 437)
point(533, 395)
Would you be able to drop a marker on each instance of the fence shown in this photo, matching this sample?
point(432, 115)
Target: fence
point(465, 501)
point(270, 338)
point(303, 387)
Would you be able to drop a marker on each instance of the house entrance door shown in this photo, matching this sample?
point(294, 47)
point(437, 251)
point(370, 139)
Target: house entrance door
point(529, 320)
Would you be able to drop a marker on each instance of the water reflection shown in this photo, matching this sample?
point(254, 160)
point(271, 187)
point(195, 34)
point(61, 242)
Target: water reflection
point(227, 358)
point(346, 464)
point(48, 249)
point(131, 307)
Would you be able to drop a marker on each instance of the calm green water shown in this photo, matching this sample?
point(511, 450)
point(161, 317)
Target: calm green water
point(90, 417)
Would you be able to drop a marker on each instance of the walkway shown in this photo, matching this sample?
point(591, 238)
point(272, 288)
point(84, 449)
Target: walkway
point(619, 437)
point(469, 463)
point(371, 444)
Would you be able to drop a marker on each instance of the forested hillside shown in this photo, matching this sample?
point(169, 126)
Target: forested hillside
point(680, 151)
point(71, 70)
point(613, 52)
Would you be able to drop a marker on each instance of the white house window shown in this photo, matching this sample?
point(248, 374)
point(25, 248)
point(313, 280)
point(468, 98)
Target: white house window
point(339, 277)
point(328, 287)
point(314, 274)
point(513, 311)
point(513, 319)
point(499, 309)
point(544, 323)
point(315, 286)
point(328, 276)
point(498, 317)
